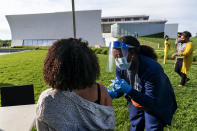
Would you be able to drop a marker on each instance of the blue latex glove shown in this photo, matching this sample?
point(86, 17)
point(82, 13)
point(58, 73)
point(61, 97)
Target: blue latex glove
point(121, 86)
point(112, 93)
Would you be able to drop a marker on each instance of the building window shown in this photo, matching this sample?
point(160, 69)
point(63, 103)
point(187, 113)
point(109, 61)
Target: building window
point(136, 18)
point(127, 19)
point(117, 19)
point(35, 42)
point(38, 42)
point(145, 18)
point(107, 28)
point(111, 20)
point(27, 42)
point(104, 20)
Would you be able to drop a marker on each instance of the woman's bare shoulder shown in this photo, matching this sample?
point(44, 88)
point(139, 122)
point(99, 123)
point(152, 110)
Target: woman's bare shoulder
point(105, 97)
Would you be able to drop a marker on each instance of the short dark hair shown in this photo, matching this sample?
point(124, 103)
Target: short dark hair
point(166, 36)
point(70, 64)
point(140, 49)
point(179, 33)
point(130, 40)
point(187, 34)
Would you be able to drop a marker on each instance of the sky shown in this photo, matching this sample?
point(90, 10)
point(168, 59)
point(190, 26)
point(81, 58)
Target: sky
point(175, 11)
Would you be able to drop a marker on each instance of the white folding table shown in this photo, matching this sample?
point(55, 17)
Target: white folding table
point(17, 118)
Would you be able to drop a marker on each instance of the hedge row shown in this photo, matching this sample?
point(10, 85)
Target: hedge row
point(102, 50)
point(105, 50)
point(33, 47)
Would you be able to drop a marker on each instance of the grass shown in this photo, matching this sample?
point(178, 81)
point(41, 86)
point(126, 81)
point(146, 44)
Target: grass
point(194, 40)
point(23, 68)
point(26, 68)
point(153, 42)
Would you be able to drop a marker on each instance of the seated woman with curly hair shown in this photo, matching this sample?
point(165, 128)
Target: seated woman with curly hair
point(75, 101)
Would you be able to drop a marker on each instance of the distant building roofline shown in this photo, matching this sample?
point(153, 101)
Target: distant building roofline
point(50, 12)
point(132, 16)
point(137, 22)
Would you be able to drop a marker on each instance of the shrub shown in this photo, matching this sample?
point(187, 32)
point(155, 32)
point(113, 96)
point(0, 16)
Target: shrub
point(17, 47)
point(107, 31)
point(93, 49)
point(195, 58)
point(98, 51)
point(33, 47)
point(103, 50)
point(1, 43)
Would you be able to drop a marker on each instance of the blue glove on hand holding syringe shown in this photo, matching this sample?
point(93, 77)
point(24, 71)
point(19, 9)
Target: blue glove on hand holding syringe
point(119, 86)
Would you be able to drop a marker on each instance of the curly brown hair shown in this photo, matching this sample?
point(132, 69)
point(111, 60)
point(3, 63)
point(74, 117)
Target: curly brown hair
point(70, 64)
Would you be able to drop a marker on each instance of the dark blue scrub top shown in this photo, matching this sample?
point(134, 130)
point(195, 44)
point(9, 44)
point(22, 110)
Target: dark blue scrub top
point(155, 90)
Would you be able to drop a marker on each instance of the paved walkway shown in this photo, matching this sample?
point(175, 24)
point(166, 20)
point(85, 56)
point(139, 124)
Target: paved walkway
point(4, 53)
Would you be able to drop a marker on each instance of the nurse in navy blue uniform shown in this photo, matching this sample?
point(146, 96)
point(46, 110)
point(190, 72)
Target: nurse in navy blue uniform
point(141, 79)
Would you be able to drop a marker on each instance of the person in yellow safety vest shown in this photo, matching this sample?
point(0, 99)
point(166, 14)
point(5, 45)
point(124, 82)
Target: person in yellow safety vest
point(166, 48)
point(187, 54)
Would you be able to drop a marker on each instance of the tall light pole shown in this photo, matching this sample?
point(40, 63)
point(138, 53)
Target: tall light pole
point(73, 14)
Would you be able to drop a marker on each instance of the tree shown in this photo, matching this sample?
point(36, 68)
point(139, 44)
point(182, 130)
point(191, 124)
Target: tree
point(8, 43)
point(1, 43)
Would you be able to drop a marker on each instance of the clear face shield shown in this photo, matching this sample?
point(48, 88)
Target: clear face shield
point(118, 53)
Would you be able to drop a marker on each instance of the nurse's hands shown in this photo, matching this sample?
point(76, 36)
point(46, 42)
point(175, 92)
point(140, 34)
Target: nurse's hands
point(112, 93)
point(120, 86)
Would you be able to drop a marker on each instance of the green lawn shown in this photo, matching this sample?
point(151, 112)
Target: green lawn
point(153, 42)
point(26, 68)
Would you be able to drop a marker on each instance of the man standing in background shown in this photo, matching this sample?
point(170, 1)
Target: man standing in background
point(184, 57)
point(178, 39)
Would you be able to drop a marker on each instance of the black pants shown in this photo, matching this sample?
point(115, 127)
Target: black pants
point(177, 69)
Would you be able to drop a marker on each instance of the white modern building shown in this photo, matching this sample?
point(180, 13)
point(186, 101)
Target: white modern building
point(136, 29)
point(171, 30)
point(110, 20)
point(137, 25)
point(43, 29)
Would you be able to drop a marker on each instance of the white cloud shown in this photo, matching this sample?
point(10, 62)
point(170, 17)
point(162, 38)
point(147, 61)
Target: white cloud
point(175, 11)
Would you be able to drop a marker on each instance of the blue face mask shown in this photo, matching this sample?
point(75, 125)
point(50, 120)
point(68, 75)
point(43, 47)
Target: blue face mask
point(122, 63)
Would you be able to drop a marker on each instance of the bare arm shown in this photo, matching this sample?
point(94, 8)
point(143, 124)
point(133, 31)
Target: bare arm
point(105, 97)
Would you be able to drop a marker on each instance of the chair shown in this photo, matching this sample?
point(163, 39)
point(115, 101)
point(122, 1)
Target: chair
point(17, 95)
